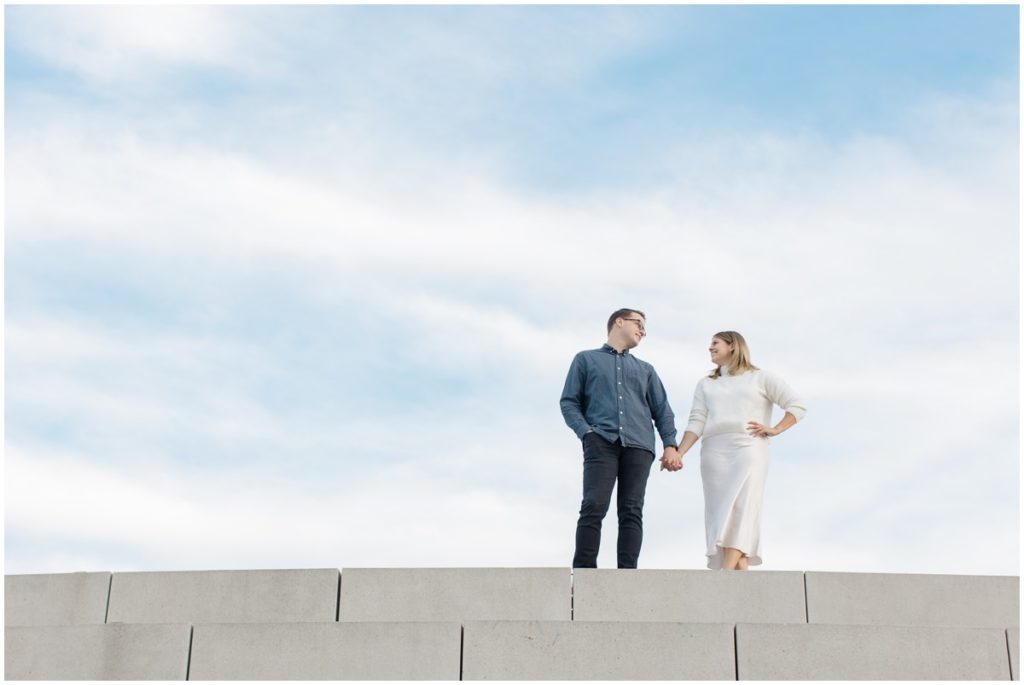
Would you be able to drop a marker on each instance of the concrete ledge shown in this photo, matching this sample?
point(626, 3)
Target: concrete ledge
point(56, 599)
point(844, 652)
point(101, 652)
point(224, 596)
point(1013, 647)
point(688, 596)
point(455, 594)
point(571, 650)
point(913, 599)
point(326, 651)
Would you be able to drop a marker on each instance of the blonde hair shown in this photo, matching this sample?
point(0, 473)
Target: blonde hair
point(739, 362)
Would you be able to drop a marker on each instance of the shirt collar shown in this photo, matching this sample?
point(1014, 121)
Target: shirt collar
point(608, 348)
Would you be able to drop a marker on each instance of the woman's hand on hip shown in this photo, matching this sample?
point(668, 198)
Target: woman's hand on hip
point(759, 430)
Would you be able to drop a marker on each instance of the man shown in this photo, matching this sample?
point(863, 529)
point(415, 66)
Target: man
point(610, 400)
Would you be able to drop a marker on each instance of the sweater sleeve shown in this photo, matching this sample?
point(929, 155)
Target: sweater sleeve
point(698, 411)
point(776, 390)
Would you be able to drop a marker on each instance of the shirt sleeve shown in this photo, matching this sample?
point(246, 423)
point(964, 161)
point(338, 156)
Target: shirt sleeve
point(698, 411)
point(776, 390)
point(572, 397)
point(664, 418)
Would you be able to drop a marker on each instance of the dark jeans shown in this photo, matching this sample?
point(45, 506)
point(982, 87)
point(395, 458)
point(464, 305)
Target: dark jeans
point(603, 463)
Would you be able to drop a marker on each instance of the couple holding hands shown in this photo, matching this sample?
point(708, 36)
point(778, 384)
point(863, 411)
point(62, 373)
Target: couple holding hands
point(613, 401)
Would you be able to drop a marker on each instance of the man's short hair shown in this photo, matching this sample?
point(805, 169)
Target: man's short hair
point(624, 313)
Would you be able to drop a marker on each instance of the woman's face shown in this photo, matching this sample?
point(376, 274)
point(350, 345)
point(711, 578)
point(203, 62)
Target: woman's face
point(720, 351)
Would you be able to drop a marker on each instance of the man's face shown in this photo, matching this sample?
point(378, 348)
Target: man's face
point(633, 330)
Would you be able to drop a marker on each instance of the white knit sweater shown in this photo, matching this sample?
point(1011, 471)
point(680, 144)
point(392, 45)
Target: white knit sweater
point(726, 403)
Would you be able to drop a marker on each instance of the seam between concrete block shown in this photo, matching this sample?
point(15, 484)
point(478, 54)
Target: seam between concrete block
point(188, 662)
point(572, 596)
point(736, 649)
point(807, 606)
point(462, 647)
point(1009, 659)
point(110, 588)
point(337, 600)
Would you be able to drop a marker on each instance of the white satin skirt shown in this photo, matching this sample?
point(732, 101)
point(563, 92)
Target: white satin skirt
point(733, 467)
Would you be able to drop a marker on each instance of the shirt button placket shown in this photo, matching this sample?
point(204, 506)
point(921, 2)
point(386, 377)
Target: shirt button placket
point(618, 377)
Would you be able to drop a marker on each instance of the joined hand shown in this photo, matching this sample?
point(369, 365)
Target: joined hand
point(671, 460)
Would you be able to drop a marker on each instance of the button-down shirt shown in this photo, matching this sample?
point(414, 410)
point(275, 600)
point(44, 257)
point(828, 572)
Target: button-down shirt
point(617, 396)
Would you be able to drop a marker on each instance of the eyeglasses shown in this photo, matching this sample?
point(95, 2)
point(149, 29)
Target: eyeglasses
point(639, 324)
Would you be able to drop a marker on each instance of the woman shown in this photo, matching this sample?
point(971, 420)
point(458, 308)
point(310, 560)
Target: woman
point(732, 408)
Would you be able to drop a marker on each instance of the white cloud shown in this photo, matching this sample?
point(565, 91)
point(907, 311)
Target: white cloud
point(811, 237)
point(181, 521)
point(878, 280)
point(130, 44)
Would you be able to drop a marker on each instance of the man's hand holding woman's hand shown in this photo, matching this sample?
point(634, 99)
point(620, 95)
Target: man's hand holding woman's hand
point(671, 460)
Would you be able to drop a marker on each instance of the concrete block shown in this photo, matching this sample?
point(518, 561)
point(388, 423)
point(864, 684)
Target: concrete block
point(455, 594)
point(1013, 647)
point(326, 651)
point(913, 599)
point(56, 599)
point(688, 596)
point(100, 652)
point(574, 650)
point(846, 652)
point(224, 596)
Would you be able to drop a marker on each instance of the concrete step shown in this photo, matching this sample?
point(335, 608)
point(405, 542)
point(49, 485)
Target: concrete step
point(327, 651)
point(56, 599)
point(845, 652)
point(597, 650)
point(458, 594)
point(689, 596)
point(505, 650)
point(115, 651)
point(913, 599)
point(455, 594)
point(224, 596)
point(1013, 643)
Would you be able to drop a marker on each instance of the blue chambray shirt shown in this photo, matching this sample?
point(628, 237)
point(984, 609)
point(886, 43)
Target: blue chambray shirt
point(618, 396)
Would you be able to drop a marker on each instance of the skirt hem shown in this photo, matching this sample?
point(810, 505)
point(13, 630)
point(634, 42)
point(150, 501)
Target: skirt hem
point(715, 558)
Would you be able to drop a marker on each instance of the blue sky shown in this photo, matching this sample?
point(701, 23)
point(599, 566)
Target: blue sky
point(299, 286)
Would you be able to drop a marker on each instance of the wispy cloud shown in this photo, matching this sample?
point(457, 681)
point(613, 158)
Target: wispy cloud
point(132, 44)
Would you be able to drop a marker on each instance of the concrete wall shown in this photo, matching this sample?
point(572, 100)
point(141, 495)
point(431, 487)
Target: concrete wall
point(327, 651)
point(842, 652)
point(1013, 644)
point(574, 650)
point(913, 599)
point(688, 596)
point(515, 624)
point(224, 596)
point(57, 599)
point(97, 652)
point(455, 594)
